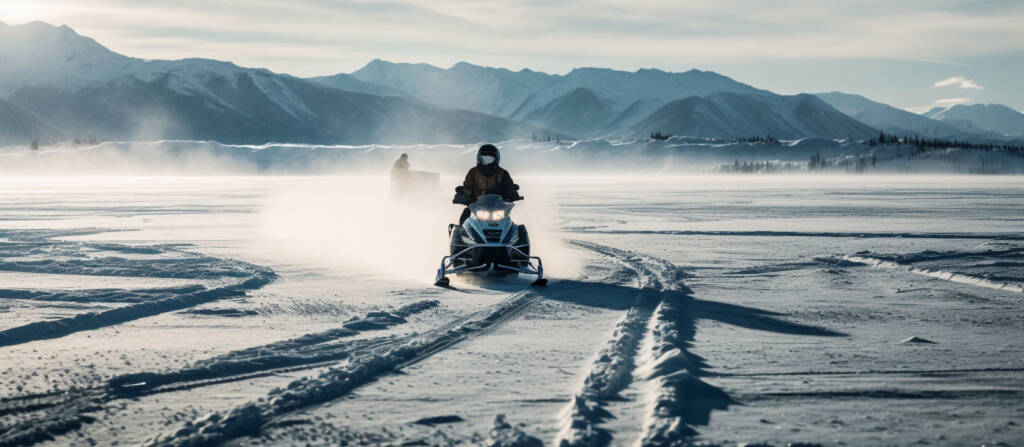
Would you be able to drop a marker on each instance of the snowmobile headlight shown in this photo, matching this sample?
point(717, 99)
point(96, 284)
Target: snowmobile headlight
point(483, 215)
point(498, 215)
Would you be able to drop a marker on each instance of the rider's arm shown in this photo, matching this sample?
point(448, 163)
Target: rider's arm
point(508, 188)
point(469, 185)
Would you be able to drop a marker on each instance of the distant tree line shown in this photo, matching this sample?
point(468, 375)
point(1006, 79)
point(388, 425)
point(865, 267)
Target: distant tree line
point(659, 135)
point(758, 139)
point(855, 164)
point(754, 167)
point(89, 140)
point(926, 144)
point(545, 138)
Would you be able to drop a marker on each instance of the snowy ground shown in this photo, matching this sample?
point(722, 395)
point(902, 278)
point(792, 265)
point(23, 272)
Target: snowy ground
point(702, 310)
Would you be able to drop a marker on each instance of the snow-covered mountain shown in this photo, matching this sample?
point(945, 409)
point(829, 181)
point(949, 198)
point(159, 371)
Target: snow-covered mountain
point(71, 83)
point(86, 90)
point(579, 112)
point(39, 54)
point(890, 119)
point(18, 127)
point(633, 114)
point(348, 82)
point(524, 94)
point(737, 115)
point(990, 117)
point(494, 91)
point(622, 88)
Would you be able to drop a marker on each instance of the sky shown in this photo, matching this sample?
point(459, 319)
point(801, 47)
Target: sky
point(913, 54)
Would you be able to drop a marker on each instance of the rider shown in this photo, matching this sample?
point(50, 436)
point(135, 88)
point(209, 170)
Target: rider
point(401, 166)
point(486, 178)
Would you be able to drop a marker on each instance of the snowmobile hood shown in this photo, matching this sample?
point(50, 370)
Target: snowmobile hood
point(491, 202)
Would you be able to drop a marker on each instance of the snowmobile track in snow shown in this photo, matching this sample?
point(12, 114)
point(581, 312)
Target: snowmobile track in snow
point(667, 370)
point(368, 359)
point(61, 412)
point(38, 251)
point(362, 368)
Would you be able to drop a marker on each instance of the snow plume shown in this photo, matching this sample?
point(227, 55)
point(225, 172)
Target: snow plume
point(353, 224)
point(129, 158)
point(958, 82)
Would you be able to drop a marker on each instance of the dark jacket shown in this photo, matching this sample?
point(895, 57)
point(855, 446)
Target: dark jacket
point(478, 183)
point(400, 167)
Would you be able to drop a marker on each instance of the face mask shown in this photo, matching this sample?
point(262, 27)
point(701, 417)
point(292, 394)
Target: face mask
point(487, 159)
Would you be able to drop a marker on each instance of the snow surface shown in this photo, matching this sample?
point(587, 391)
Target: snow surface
point(699, 310)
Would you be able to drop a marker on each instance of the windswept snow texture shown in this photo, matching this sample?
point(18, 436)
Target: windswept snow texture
point(697, 310)
point(39, 252)
point(1000, 268)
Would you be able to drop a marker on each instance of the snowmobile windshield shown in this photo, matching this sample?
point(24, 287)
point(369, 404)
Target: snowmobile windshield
point(490, 207)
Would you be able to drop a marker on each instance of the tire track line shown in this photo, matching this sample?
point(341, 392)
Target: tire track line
point(613, 368)
point(62, 412)
point(361, 368)
point(656, 331)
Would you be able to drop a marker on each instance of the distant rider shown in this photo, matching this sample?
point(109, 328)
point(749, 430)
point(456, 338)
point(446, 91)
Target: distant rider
point(486, 178)
point(401, 166)
point(400, 175)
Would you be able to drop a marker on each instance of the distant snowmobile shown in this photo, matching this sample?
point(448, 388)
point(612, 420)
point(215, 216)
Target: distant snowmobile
point(406, 183)
point(489, 243)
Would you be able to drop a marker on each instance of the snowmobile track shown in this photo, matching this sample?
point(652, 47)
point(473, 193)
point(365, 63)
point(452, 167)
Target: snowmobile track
point(68, 406)
point(368, 359)
point(615, 365)
point(250, 418)
point(22, 253)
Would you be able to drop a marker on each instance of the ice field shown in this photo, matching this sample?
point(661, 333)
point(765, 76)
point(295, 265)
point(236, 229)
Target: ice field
point(686, 310)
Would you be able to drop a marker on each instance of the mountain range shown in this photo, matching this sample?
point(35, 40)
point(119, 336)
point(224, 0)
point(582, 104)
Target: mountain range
point(55, 84)
point(80, 87)
point(986, 117)
point(18, 127)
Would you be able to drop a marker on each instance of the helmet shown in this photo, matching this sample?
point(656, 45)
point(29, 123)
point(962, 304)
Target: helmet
point(487, 155)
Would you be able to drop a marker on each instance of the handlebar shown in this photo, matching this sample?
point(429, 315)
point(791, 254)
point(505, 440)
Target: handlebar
point(461, 198)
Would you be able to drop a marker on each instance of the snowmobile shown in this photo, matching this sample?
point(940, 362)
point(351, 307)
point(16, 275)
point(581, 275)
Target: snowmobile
point(489, 243)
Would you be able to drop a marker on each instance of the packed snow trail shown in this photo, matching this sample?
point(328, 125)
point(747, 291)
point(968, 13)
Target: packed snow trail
point(677, 399)
point(65, 411)
point(650, 352)
point(613, 367)
point(363, 367)
point(667, 371)
point(94, 320)
point(39, 252)
point(304, 352)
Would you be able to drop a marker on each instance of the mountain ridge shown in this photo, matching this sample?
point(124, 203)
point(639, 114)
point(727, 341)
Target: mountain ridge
point(204, 98)
point(84, 89)
point(989, 117)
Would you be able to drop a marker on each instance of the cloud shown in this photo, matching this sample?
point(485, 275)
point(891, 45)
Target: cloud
point(959, 82)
